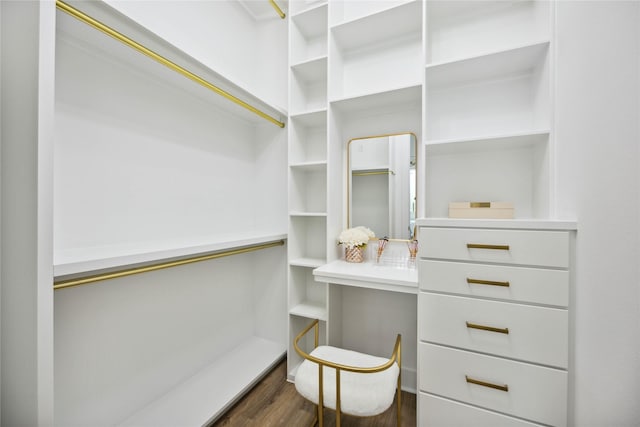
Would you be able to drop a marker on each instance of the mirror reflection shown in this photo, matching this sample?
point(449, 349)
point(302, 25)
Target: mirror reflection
point(381, 191)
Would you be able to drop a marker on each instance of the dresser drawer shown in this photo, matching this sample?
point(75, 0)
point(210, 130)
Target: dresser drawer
point(532, 392)
point(526, 247)
point(439, 412)
point(525, 284)
point(530, 333)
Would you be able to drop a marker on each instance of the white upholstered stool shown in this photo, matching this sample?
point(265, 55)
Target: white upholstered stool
point(351, 382)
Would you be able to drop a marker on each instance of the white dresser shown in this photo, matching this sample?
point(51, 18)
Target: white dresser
point(494, 322)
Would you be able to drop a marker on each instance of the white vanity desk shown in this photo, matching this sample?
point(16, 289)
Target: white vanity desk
point(369, 275)
point(368, 304)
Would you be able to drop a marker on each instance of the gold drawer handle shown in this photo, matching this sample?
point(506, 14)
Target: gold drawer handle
point(482, 246)
point(487, 328)
point(486, 282)
point(470, 380)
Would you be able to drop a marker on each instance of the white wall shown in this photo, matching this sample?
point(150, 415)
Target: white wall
point(598, 134)
point(26, 284)
point(138, 160)
point(224, 37)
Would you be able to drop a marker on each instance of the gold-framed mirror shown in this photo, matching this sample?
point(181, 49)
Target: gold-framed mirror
point(382, 184)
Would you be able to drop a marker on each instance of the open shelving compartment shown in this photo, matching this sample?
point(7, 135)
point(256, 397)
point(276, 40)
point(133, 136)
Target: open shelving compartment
point(308, 298)
point(308, 137)
point(488, 105)
point(308, 188)
point(376, 52)
point(505, 92)
point(309, 85)
point(308, 34)
point(462, 29)
point(296, 325)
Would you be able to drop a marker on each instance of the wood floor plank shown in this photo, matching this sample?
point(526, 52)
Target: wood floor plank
point(274, 402)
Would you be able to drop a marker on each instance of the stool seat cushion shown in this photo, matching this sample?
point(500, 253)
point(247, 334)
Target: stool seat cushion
point(361, 394)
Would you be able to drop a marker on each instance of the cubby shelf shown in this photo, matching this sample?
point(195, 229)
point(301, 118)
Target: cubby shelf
point(378, 100)
point(311, 166)
point(400, 21)
point(311, 118)
point(307, 262)
point(311, 310)
point(312, 69)
point(308, 214)
point(380, 51)
point(308, 32)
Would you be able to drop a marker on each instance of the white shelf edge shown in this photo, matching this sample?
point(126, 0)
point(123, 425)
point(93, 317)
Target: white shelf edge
point(448, 143)
point(307, 112)
point(307, 262)
point(311, 9)
point(347, 99)
point(308, 61)
point(118, 257)
point(431, 65)
point(373, 168)
point(309, 310)
point(311, 164)
point(307, 214)
point(206, 395)
point(358, 19)
point(517, 223)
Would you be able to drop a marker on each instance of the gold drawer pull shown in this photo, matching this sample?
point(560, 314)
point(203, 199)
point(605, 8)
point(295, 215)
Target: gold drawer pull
point(470, 380)
point(486, 282)
point(482, 246)
point(487, 328)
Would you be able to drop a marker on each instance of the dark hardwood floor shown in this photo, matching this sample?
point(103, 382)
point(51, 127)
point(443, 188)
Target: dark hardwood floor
point(275, 402)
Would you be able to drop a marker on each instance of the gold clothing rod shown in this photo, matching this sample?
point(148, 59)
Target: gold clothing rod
point(137, 270)
point(162, 60)
point(277, 8)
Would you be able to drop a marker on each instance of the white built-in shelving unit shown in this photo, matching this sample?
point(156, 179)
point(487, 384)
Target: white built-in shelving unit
point(473, 80)
point(355, 70)
point(308, 166)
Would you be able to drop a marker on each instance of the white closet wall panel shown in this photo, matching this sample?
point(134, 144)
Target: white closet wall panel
point(269, 79)
point(211, 26)
point(138, 160)
point(267, 200)
point(123, 343)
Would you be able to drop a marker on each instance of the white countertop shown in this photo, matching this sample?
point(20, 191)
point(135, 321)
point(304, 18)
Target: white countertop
point(369, 275)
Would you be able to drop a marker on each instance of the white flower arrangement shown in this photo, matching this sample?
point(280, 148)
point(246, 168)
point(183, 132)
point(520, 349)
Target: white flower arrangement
point(355, 237)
